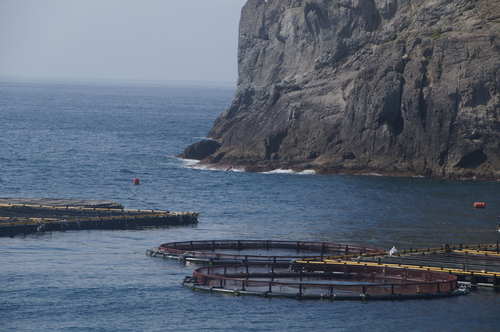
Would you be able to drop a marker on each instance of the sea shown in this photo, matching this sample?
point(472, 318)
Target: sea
point(89, 140)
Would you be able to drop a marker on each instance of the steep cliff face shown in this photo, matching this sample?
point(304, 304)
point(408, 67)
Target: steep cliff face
point(403, 86)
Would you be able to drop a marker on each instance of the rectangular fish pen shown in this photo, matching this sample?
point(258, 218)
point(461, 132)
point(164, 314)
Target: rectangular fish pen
point(19, 218)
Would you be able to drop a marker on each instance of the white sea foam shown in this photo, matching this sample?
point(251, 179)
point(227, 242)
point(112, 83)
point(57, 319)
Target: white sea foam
point(193, 163)
point(204, 138)
point(289, 171)
point(188, 162)
point(213, 168)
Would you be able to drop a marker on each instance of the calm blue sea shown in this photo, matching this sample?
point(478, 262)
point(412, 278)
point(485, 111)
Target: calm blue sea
point(90, 141)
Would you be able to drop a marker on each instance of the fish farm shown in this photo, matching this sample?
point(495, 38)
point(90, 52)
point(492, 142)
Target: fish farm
point(267, 268)
point(331, 271)
point(36, 215)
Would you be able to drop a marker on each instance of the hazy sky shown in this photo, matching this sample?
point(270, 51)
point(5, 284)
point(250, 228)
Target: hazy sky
point(194, 40)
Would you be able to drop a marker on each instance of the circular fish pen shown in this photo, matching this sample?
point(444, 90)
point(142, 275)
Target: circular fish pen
point(255, 251)
point(304, 270)
point(330, 282)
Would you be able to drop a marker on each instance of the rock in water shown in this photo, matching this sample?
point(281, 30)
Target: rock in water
point(200, 150)
point(393, 86)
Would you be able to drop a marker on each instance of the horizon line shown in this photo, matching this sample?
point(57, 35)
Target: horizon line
point(124, 81)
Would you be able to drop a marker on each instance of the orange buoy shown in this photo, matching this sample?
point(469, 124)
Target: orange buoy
point(136, 181)
point(479, 205)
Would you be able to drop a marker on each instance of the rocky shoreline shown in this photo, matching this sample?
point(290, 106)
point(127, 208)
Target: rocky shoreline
point(206, 161)
point(260, 167)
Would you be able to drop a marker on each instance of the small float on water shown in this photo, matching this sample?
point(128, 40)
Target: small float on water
point(479, 205)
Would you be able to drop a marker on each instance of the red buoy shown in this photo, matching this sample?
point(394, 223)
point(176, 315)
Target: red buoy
point(479, 205)
point(136, 181)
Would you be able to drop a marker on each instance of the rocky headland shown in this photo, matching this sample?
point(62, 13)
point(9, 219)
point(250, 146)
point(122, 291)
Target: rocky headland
point(406, 87)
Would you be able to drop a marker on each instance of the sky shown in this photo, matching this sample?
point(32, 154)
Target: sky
point(164, 40)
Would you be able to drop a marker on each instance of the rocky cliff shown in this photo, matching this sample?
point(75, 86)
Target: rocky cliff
point(392, 86)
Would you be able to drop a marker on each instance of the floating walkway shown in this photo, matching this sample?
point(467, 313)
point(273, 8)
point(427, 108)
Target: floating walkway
point(20, 218)
point(304, 270)
point(475, 265)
